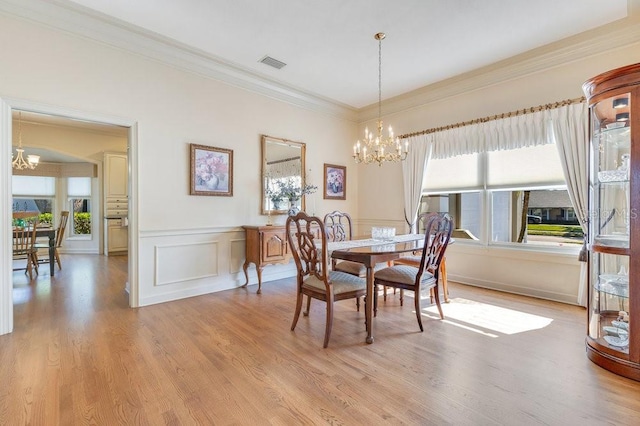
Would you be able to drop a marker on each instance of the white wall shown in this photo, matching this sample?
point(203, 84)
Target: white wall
point(173, 108)
point(540, 274)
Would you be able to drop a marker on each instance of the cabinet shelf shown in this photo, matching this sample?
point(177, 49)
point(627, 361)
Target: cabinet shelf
point(612, 177)
point(613, 336)
point(618, 290)
point(603, 247)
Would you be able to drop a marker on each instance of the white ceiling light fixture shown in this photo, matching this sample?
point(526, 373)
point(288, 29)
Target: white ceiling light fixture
point(19, 162)
point(381, 148)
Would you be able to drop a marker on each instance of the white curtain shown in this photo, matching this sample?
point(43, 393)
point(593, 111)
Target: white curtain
point(570, 130)
point(413, 170)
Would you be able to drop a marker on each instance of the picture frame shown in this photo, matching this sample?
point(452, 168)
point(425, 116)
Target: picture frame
point(335, 182)
point(211, 170)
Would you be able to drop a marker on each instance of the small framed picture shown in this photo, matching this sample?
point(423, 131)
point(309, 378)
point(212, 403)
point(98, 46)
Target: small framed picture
point(211, 170)
point(335, 182)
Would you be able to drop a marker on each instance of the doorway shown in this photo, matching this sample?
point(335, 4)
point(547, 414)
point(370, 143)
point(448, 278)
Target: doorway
point(80, 119)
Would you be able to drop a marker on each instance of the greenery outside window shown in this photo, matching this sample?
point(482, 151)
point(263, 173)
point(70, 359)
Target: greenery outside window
point(79, 201)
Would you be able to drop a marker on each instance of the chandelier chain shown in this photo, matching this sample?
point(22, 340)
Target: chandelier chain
point(379, 78)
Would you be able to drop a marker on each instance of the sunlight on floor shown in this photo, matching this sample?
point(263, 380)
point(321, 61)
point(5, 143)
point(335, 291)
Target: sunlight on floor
point(482, 318)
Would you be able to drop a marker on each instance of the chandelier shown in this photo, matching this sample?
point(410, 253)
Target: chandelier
point(19, 162)
point(379, 149)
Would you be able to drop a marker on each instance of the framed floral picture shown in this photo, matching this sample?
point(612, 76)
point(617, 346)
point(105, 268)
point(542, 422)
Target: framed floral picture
point(335, 182)
point(211, 170)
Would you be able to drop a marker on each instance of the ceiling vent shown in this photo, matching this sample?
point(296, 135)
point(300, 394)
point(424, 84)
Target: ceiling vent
point(272, 62)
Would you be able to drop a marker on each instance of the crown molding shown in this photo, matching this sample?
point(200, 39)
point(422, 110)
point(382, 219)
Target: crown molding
point(80, 21)
point(608, 37)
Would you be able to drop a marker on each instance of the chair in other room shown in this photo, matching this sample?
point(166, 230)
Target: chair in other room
point(23, 247)
point(339, 227)
point(62, 225)
point(427, 274)
point(314, 278)
point(415, 258)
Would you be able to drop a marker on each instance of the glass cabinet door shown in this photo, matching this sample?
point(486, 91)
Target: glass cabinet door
point(609, 223)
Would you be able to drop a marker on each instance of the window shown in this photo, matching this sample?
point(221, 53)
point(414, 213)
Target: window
point(34, 193)
point(79, 201)
point(526, 197)
point(534, 216)
point(465, 208)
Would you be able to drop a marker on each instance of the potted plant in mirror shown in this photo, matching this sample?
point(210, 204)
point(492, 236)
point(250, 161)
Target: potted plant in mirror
point(290, 189)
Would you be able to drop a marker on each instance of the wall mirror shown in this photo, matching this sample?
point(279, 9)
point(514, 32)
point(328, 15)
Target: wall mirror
point(283, 163)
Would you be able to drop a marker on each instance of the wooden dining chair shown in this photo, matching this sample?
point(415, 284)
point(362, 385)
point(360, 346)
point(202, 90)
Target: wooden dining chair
point(24, 247)
point(414, 259)
point(339, 227)
point(314, 277)
point(62, 225)
point(426, 276)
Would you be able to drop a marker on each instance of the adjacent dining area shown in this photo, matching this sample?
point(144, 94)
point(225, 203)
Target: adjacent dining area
point(30, 237)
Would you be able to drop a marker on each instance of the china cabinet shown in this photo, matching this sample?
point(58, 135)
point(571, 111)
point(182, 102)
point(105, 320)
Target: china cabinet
point(613, 331)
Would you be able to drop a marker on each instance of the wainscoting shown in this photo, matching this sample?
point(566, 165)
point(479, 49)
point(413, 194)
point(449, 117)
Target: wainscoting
point(178, 264)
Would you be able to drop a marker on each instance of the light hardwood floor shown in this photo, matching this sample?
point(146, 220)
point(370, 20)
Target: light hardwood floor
point(79, 355)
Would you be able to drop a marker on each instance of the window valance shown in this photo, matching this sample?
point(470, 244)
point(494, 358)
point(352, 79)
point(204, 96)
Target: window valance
point(520, 129)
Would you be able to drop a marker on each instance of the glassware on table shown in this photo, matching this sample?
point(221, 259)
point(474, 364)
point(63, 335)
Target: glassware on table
point(383, 233)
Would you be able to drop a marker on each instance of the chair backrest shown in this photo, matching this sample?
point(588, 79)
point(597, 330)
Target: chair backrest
point(338, 226)
point(438, 230)
point(422, 221)
point(62, 225)
point(24, 238)
point(307, 245)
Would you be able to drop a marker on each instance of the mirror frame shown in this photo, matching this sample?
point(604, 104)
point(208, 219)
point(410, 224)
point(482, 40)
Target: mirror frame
point(265, 142)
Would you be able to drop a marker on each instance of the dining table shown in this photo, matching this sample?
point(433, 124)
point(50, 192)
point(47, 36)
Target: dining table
point(371, 252)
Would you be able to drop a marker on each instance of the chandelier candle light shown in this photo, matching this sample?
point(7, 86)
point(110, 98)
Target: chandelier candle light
point(372, 150)
point(19, 162)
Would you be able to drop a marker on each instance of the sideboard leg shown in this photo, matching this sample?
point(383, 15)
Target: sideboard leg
point(259, 269)
point(246, 274)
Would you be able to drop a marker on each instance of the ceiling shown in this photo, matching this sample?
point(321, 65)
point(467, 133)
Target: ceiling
point(329, 47)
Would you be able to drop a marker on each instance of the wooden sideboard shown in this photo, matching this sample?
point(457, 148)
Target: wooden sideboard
point(265, 245)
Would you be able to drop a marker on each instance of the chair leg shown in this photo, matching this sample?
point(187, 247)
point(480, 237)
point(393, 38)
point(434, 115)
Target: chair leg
point(296, 315)
point(401, 296)
point(443, 278)
point(306, 313)
point(55, 252)
point(418, 309)
point(28, 270)
point(34, 260)
point(358, 304)
point(437, 297)
point(329, 322)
